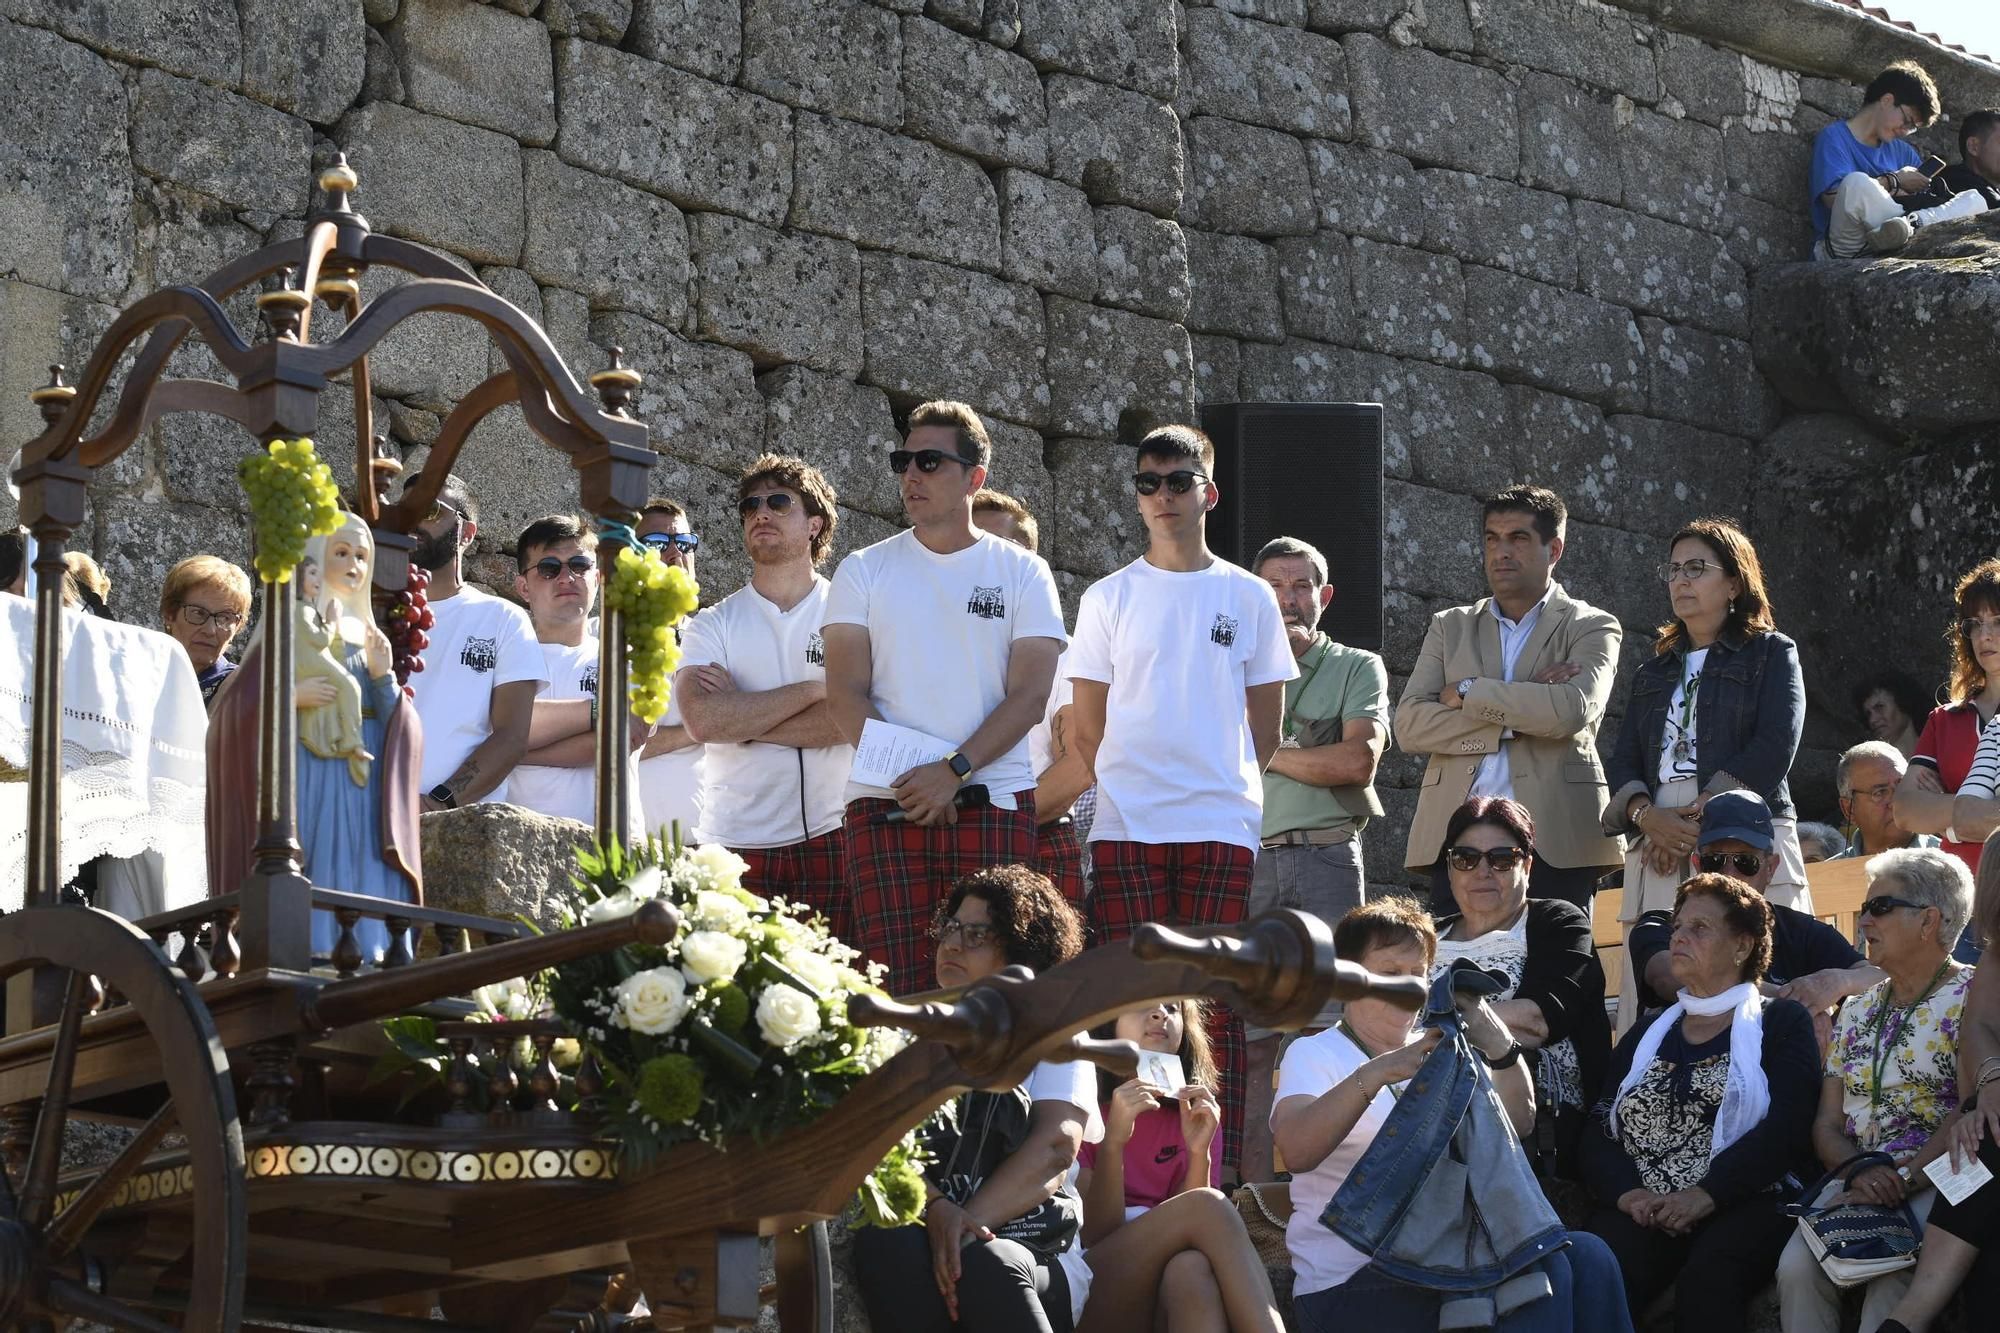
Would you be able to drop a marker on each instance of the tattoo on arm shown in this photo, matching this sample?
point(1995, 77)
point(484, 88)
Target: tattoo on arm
point(468, 773)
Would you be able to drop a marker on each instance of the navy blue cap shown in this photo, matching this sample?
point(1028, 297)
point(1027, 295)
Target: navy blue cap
point(1741, 815)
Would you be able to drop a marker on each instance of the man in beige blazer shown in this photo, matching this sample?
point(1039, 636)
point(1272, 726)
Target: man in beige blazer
point(1505, 700)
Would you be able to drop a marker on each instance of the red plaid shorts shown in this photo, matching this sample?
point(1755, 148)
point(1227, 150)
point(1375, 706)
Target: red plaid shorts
point(1059, 855)
point(813, 872)
point(897, 874)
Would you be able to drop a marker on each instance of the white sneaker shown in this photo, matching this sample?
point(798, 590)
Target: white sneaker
point(1959, 206)
point(1891, 235)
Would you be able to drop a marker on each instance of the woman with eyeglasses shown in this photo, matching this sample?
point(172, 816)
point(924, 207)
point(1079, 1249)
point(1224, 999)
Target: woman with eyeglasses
point(203, 605)
point(1892, 1073)
point(1707, 1128)
point(1720, 705)
point(1934, 798)
point(1539, 950)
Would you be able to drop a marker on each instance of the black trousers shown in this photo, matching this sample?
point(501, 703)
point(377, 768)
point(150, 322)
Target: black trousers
point(1715, 1272)
point(1576, 885)
point(1005, 1287)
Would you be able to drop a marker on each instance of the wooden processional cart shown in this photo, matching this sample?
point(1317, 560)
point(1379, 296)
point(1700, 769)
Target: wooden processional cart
point(261, 1179)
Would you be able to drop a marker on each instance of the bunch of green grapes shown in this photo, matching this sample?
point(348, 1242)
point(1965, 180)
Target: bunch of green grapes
point(292, 500)
point(652, 596)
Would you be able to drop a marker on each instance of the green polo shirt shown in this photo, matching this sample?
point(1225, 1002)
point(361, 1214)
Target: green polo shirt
point(1335, 685)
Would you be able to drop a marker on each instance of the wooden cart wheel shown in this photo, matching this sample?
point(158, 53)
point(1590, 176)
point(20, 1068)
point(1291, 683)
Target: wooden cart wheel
point(48, 1275)
point(803, 1264)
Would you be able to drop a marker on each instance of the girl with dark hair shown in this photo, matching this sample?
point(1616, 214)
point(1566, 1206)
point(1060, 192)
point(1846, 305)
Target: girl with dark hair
point(1720, 705)
point(1539, 950)
point(1945, 757)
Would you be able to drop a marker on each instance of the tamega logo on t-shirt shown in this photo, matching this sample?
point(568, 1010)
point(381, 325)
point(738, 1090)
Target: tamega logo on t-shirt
point(482, 655)
point(587, 682)
point(816, 650)
point(1223, 631)
point(987, 603)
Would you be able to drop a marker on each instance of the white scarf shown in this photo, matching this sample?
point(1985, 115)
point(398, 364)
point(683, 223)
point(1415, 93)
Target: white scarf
point(1746, 1096)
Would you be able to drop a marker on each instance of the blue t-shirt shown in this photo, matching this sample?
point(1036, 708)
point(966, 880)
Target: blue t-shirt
point(1836, 153)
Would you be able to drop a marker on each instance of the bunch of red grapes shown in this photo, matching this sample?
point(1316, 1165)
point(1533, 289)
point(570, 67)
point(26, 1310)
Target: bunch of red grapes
point(409, 616)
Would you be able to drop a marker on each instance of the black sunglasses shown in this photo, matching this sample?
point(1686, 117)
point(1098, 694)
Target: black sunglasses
point(1882, 904)
point(1746, 863)
point(685, 541)
point(778, 502)
point(551, 568)
point(1502, 859)
point(927, 460)
point(1180, 483)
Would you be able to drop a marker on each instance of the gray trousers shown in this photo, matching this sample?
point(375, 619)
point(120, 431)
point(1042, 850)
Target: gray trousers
point(1326, 882)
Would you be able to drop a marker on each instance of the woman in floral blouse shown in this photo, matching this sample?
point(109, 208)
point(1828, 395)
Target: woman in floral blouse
point(1892, 1072)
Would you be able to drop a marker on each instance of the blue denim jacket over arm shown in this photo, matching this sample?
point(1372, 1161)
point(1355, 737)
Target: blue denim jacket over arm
point(1748, 714)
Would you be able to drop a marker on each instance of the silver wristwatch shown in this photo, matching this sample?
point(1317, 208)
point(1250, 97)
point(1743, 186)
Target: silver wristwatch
point(1465, 686)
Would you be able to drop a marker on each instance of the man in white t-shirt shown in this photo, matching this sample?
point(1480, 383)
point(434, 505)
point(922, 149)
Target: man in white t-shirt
point(752, 686)
point(1180, 662)
point(482, 670)
point(1063, 794)
point(557, 559)
point(954, 633)
point(670, 767)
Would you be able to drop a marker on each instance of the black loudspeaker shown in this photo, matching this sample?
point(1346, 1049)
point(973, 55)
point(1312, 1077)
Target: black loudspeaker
point(1311, 471)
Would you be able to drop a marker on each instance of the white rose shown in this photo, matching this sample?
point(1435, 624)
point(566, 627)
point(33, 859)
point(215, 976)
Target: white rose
point(652, 1002)
point(505, 999)
point(786, 1015)
point(719, 867)
point(817, 972)
point(719, 911)
point(710, 955)
point(611, 907)
point(648, 883)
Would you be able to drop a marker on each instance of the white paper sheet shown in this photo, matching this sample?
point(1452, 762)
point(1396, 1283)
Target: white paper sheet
point(1957, 1185)
point(888, 751)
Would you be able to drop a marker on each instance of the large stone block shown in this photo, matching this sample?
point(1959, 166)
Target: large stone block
point(846, 430)
point(1773, 165)
point(428, 361)
point(933, 331)
point(38, 327)
point(1661, 269)
point(1339, 16)
point(1316, 286)
point(1709, 83)
point(1097, 523)
point(1233, 287)
point(604, 21)
point(1366, 192)
point(1476, 217)
point(1612, 569)
point(1247, 180)
point(699, 144)
point(1672, 471)
point(193, 37)
point(68, 120)
point(1282, 77)
point(307, 57)
point(972, 96)
point(1109, 368)
point(855, 531)
point(1431, 108)
point(1673, 169)
point(230, 148)
point(140, 537)
point(1562, 442)
point(778, 296)
point(1760, 234)
point(883, 190)
point(700, 36)
point(517, 288)
point(1580, 38)
point(1430, 542)
point(1409, 303)
point(1561, 340)
point(1121, 147)
point(700, 401)
point(500, 860)
point(837, 56)
point(1218, 370)
point(1706, 380)
point(1142, 263)
point(623, 248)
point(1048, 234)
point(1018, 467)
point(478, 64)
point(437, 181)
point(1126, 42)
point(1569, 139)
point(182, 238)
point(967, 16)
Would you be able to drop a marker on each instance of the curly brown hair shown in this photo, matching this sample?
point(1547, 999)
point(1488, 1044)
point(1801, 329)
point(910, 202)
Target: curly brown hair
point(1032, 924)
point(1738, 557)
point(1977, 593)
point(1744, 909)
point(805, 481)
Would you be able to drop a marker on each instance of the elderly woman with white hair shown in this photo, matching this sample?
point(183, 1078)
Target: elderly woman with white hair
point(1891, 1084)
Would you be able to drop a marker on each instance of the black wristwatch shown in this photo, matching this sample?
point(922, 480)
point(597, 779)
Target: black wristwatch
point(959, 765)
point(444, 796)
point(1507, 1061)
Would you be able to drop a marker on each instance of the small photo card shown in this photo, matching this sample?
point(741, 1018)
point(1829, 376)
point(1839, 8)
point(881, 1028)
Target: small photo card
point(1163, 1071)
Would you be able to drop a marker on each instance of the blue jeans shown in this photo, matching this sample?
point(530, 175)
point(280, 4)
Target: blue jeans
point(1589, 1294)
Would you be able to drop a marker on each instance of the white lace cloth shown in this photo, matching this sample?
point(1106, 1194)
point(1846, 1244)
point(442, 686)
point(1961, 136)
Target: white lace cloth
point(133, 783)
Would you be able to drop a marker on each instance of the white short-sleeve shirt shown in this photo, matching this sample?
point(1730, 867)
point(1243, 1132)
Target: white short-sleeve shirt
point(477, 642)
point(755, 794)
point(571, 792)
point(1178, 650)
point(1313, 1066)
point(670, 784)
point(940, 630)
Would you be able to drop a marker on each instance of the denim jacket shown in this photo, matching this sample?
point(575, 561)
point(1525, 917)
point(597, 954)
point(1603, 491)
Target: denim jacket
point(1444, 1198)
point(1747, 718)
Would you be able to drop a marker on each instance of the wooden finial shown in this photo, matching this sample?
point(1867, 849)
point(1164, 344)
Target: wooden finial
point(338, 180)
point(616, 383)
point(283, 307)
point(54, 397)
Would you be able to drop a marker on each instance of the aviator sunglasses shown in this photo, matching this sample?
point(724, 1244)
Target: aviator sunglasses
point(1177, 483)
point(1746, 863)
point(927, 460)
point(551, 567)
point(778, 502)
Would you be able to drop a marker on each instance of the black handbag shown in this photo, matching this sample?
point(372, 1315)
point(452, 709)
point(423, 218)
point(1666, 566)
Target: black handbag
point(1856, 1243)
point(991, 1127)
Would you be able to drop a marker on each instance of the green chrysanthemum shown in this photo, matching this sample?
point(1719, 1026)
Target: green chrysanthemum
point(670, 1089)
point(732, 1007)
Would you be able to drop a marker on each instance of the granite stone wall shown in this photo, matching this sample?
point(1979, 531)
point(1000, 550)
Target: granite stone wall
point(1530, 228)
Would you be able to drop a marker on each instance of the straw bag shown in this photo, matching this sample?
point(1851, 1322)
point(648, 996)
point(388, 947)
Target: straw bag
point(1265, 1208)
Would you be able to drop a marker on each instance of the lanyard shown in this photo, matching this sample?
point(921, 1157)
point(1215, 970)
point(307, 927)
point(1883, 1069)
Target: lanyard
point(1880, 1062)
point(1325, 649)
point(1395, 1089)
